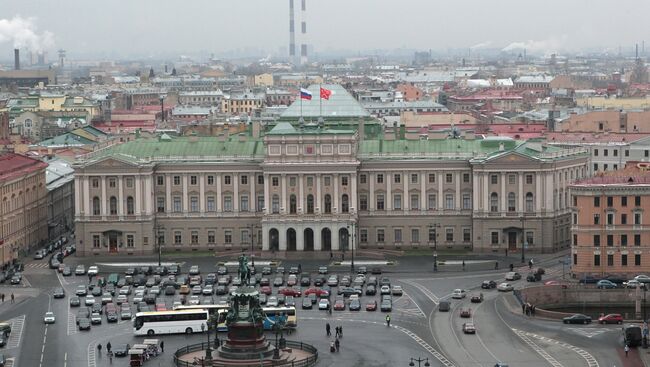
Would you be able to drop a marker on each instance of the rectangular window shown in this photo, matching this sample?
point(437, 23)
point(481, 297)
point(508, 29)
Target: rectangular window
point(363, 235)
point(467, 235)
point(575, 259)
point(160, 204)
point(344, 180)
point(596, 219)
point(414, 178)
point(193, 180)
point(177, 180)
point(596, 260)
point(465, 177)
point(529, 179)
point(397, 178)
point(380, 178)
point(432, 177)
point(595, 167)
point(627, 153)
point(210, 180)
point(615, 152)
point(260, 203)
point(194, 204)
point(512, 179)
point(310, 181)
point(129, 182)
point(494, 179)
point(160, 180)
point(596, 240)
point(227, 203)
point(362, 179)
point(130, 242)
point(226, 180)
point(597, 202)
point(637, 201)
point(624, 260)
point(380, 202)
point(178, 238)
point(575, 240)
point(623, 240)
point(610, 260)
point(449, 201)
point(292, 181)
point(595, 152)
point(227, 236)
point(415, 235)
point(260, 179)
point(243, 205)
point(275, 181)
point(177, 204)
point(432, 235)
point(415, 201)
point(494, 236)
point(467, 201)
point(327, 180)
point(637, 219)
point(96, 243)
point(112, 182)
point(610, 219)
point(637, 240)
point(431, 202)
point(530, 238)
point(637, 257)
point(397, 202)
point(449, 178)
point(398, 235)
point(449, 234)
point(380, 235)
point(246, 236)
point(211, 237)
point(243, 179)
point(95, 183)
point(194, 237)
point(605, 152)
point(363, 202)
point(211, 204)
point(610, 201)
point(623, 218)
point(610, 240)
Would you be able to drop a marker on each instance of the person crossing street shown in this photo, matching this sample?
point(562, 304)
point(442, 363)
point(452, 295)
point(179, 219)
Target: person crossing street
point(328, 329)
point(388, 320)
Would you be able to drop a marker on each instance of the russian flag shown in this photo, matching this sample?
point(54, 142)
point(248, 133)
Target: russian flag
point(305, 94)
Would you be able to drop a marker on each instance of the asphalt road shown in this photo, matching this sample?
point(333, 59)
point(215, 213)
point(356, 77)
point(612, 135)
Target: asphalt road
point(418, 329)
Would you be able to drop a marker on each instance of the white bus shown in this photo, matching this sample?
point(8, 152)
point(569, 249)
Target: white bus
point(169, 322)
point(220, 310)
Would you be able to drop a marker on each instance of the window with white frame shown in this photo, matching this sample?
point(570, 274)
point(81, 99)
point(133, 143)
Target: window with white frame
point(227, 203)
point(398, 235)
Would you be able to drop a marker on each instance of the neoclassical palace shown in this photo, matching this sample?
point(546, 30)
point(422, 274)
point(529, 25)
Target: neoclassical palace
point(324, 187)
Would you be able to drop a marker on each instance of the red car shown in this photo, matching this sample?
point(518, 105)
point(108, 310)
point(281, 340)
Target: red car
point(266, 290)
point(289, 292)
point(612, 318)
point(339, 305)
point(555, 282)
point(371, 306)
point(317, 291)
point(161, 307)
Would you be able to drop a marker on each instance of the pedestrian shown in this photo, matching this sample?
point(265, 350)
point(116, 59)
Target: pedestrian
point(342, 257)
point(110, 357)
point(337, 344)
point(99, 349)
point(512, 267)
point(532, 310)
point(523, 308)
point(299, 268)
point(341, 331)
point(108, 347)
point(331, 255)
point(627, 350)
point(530, 264)
point(506, 252)
point(463, 265)
point(12, 298)
point(388, 320)
point(162, 346)
point(2, 295)
point(328, 330)
point(496, 265)
point(336, 332)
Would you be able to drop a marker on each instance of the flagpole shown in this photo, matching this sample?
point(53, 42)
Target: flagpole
point(320, 99)
point(300, 96)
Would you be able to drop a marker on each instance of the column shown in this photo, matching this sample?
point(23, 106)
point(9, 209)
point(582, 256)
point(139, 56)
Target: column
point(486, 192)
point(282, 236)
point(300, 237)
point(538, 192)
point(301, 194)
point(77, 197)
point(267, 209)
point(104, 201)
point(371, 195)
point(503, 194)
point(477, 205)
point(168, 193)
point(406, 200)
point(283, 203)
point(202, 193)
point(185, 198)
point(317, 237)
point(120, 197)
point(440, 193)
point(335, 205)
point(520, 199)
point(335, 239)
point(219, 194)
point(265, 232)
point(423, 192)
point(252, 199)
point(548, 192)
point(235, 199)
point(458, 176)
point(86, 198)
point(318, 198)
point(388, 204)
point(353, 194)
point(138, 195)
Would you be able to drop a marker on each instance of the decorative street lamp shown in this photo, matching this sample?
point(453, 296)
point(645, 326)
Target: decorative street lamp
point(435, 227)
point(419, 361)
point(351, 243)
point(158, 228)
point(208, 351)
point(523, 240)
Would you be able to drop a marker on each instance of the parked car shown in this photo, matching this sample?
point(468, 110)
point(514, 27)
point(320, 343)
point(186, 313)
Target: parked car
point(642, 278)
point(194, 270)
point(386, 306)
point(121, 350)
point(505, 287)
point(577, 319)
point(80, 270)
point(324, 304)
point(371, 305)
point(633, 283)
point(612, 318)
point(306, 303)
point(93, 270)
point(289, 292)
point(605, 284)
point(272, 301)
point(339, 305)
point(355, 305)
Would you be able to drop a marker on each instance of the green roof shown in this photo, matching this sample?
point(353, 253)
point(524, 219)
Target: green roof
point(285, 128)
point(444, 148)
point(69, 139)
point(340, 104)
point(191, 148)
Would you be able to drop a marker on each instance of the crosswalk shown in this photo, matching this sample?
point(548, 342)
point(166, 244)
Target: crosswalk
point(37, 265)
point(588, 332)
point(72, 323)
point(10, 362)
point(17, 325)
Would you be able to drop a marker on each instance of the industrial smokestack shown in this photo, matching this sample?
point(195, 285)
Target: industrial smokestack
point(303, 29)
point(16, 59)
point(292, 31)
point(41, 58)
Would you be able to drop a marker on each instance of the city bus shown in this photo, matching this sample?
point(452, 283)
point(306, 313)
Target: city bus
point(169, 322)
point(220, 310)
point(272, 314)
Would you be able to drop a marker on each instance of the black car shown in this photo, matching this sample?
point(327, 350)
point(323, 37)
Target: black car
point(371, 290)
point(97, 292)
point(355, 305)
point(3, 340)
point(150, 299)
point(83, 314)
point(97, 307)
point(305, 281)
point(319, 281)
point(146, 270)
point(59, 293)
point(489, 284)
point(75, 302)
point(160, 270)
point(306, 303)
point(121, 350)
point(84, 324)
point(577, 319)
point(111, 316)
point(347, 292)
point(375, 270)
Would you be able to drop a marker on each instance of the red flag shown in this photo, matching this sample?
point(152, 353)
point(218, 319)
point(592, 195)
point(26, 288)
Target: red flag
point(325, 93)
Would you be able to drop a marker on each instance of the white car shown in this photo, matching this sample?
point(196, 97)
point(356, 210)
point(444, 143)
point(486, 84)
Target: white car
point(458, 294)
point(90, 300)
point(154, 290)
point(93, 270)
point(385, 289)
point(323, 304)
point(194, 300)
point(642, 278)
point(138, 297)
point(632, 283)
point(504, 287)
point(49, 318)
point(397, 290)
point(272, 302)
point(513, 275)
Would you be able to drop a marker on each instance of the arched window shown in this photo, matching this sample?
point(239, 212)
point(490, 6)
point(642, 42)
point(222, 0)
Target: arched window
point(530, 206)
point(512, 202)
point(292, 204)
point(310, 204)
point(328, 204)
point(345, 204)
point(113, 205)
point(129, 205)
point(494, 202)
point(275, 204)
point(97, 209)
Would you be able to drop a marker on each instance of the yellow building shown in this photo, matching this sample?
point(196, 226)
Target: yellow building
point(613, 103)
point(51, 102)
point(263, 80)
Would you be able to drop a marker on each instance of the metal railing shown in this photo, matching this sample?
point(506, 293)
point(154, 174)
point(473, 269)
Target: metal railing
point(308, 362)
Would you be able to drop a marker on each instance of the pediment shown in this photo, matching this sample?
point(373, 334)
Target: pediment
point(111, 162)
point(510, 158)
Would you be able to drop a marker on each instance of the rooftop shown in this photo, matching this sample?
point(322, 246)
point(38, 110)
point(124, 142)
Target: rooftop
point(340, 105)
point(16, 165)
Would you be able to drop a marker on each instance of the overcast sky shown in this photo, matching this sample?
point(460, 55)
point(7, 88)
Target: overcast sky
point(128, 27)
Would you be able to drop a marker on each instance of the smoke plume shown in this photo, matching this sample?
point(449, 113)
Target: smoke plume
point(538, 46)
point(24, 34)
point(481, 45)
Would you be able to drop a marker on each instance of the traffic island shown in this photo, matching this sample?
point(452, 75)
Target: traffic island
point(294, 354)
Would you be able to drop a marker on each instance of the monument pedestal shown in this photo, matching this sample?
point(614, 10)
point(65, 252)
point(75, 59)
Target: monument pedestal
point(245, 341)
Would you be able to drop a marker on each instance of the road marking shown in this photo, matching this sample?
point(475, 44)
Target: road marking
point(154, 263)
point(414, 312)
point(589, 333)
point(424, 290)
point(479, 337)
point(11, 362)
point(61, 279)
point(65, 359)
point(17, 325)
point(72, 322)
point(40, 364)
point(591, 361)
point(524, 336)
point(91, 354)
point(451, 313)
point(37, 265)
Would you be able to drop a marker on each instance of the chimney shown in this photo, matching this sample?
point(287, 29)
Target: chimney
point(16, 59)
